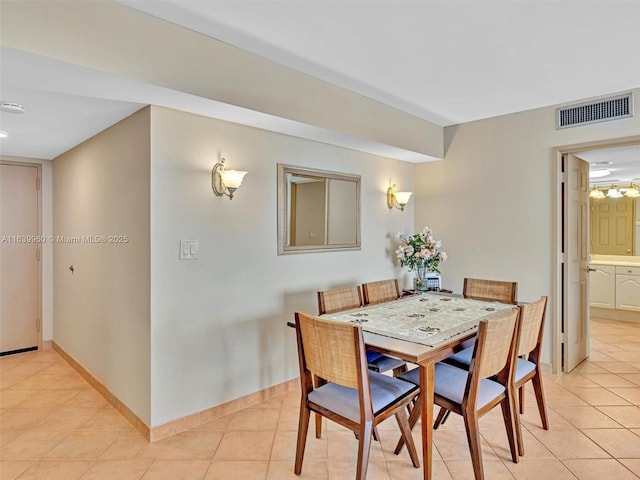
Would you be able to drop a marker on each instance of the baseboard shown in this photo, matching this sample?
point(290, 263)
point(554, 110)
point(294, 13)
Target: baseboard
point(615, 314)
point(102, 390)
point(191, 421)
point(181, 424)
point(47, 344)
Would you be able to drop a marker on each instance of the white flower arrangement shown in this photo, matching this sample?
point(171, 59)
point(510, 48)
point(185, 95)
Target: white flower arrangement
point(420, 251)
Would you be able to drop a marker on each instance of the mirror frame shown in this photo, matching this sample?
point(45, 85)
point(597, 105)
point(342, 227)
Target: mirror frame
point(283, 201)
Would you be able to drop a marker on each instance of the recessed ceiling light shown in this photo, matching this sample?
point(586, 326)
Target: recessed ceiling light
point(598, 173)
point(11, 107)
point(3, 134)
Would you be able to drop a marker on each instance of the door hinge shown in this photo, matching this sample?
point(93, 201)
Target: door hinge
point(38, 254)
point(562, 257)
point(563, 177)
point(37, 183)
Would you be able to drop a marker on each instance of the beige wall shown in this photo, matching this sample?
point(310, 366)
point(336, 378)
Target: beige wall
point(102, 309)
point(219, 322)
point(491, 201)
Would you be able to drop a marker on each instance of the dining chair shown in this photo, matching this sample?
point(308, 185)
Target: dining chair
point(380, 291)
point(484, 386)
point(491, 290)
point(347, 298)
point(354, 396)
point(339, 299)
point(528, 366)
point(487, 290)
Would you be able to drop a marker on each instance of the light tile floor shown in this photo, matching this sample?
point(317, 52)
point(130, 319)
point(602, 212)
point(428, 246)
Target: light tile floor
point(53, 425)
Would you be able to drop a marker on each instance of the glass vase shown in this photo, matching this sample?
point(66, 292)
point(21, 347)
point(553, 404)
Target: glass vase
point(420, 279)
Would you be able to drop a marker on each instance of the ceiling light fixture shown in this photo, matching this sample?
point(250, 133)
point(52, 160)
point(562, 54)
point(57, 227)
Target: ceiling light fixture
point(11, 107)
point(599, 173)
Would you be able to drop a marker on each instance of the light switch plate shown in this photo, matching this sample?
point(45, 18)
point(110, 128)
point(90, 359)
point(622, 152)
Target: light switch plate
point(188, 249)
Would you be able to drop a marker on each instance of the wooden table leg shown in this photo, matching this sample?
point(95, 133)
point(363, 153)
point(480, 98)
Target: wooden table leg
point(426, 416)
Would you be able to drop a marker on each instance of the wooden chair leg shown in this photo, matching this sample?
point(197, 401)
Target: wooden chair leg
point(475, 447)
point(516, 416)
point(413, 419)
point(318, 425)
point(405, 430)
point(303, 428)
point(521, 398)
point(510, 417)
point(539, 391)
point(442, 416)
point(318, 382)
point(364, 446)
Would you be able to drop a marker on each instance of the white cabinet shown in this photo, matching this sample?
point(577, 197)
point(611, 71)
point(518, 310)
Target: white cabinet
point(602, 290)
point(628, 288)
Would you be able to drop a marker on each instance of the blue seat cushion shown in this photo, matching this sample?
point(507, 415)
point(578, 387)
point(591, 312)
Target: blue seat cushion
point(523, 368)
point(385, 392)
point(461, 359)
point(385, 363)
point(372, 356)
point(451, 381)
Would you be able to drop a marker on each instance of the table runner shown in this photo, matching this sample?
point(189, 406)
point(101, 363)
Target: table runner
point(427, 319)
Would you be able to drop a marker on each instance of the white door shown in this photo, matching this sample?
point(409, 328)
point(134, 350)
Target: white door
point(575, 321)
point(19, 289)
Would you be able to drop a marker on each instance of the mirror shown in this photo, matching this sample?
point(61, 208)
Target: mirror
point(318, 211)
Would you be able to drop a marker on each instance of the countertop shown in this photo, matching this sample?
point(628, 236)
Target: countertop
point(615, 260)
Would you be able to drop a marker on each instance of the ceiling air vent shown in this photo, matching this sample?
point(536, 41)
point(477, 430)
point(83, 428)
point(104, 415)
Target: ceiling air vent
point(602, 110)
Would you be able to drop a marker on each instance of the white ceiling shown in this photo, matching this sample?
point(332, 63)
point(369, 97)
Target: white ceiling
point(446, 61)
point(623, 163)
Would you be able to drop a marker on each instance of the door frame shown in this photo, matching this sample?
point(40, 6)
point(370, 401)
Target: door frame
point(557, 260)
point(38, 166)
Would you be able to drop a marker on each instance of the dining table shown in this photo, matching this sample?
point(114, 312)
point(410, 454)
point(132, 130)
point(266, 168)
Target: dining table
point(422, 329)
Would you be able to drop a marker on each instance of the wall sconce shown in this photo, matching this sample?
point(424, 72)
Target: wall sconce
point(596, 193)
point(632, 191)
point(225, 182)
point(397, 199)
point(613, 192)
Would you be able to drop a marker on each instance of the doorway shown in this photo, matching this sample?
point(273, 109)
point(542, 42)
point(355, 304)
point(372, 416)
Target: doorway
point(571, 309)
point(20, 253)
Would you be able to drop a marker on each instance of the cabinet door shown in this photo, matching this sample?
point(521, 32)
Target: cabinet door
point(628, 292)
point(602, 290)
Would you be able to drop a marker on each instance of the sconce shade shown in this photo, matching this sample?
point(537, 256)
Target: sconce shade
point(225, 182)
point(232, 178)
point(613, 192)
point(397, 199)
point(596, 193)
point(632, 191)
point(403, 197)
